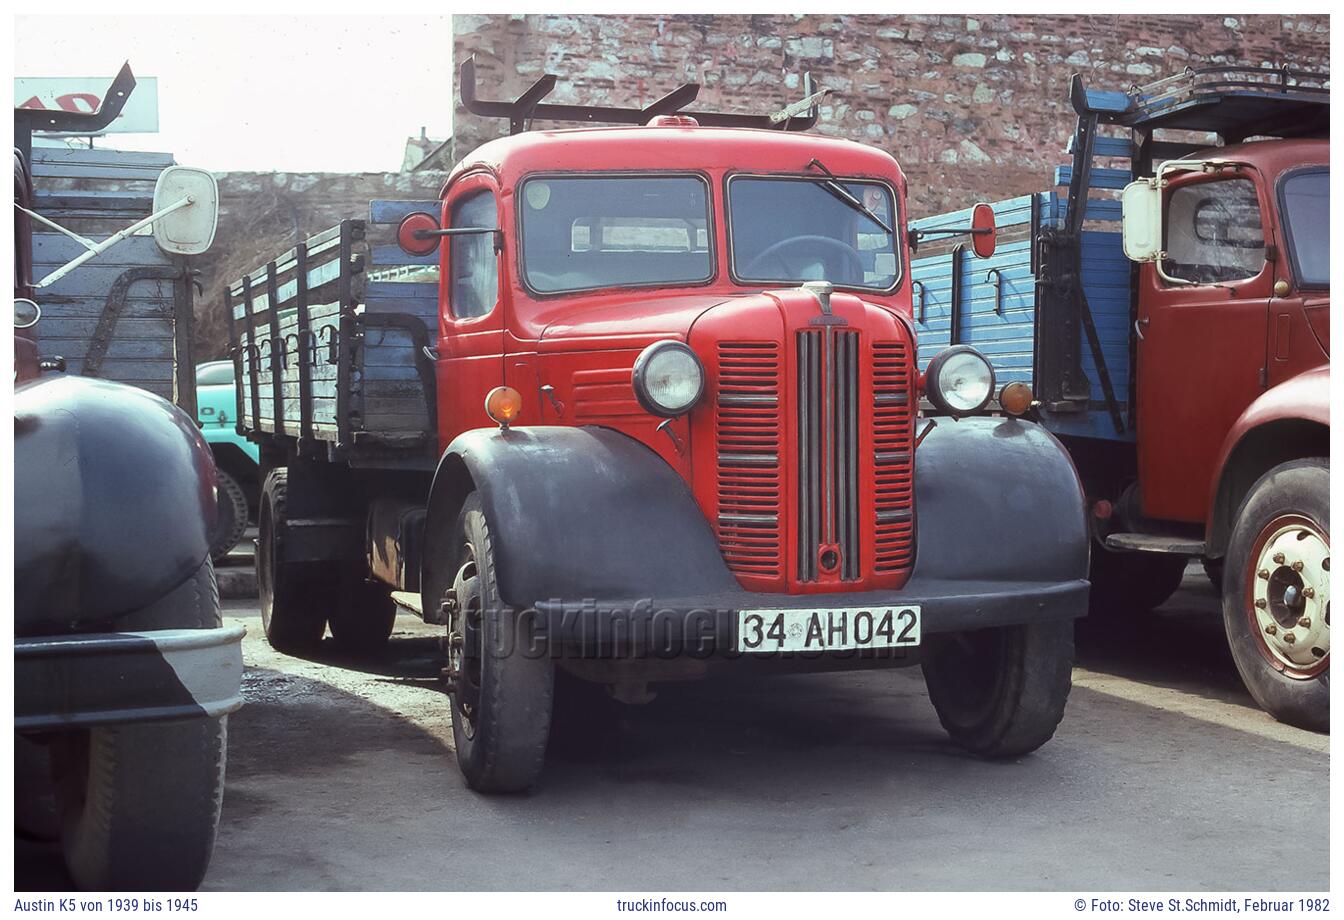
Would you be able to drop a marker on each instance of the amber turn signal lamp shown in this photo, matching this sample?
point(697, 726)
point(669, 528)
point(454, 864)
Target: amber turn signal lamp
point(503, 404)
point(1015, 398)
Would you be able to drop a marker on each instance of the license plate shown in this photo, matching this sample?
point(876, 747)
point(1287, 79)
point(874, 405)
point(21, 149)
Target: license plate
point(827, 630)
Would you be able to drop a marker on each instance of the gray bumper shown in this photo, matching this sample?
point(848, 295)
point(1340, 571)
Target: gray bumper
point(92, 679)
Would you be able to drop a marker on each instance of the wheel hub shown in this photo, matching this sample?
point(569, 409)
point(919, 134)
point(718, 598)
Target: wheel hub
point(1290, 596)
point(464, 643)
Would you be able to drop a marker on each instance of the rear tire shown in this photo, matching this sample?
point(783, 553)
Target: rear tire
point(1283, 531)
point(502, 689)
point(1132, 584)
point(231, 516)
point(363, 616)
point(1001, 692)
point(295, 597)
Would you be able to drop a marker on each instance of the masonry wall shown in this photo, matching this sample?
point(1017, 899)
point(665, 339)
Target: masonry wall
point(972, 106)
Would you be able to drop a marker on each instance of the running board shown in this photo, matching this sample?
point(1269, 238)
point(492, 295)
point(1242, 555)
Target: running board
point(1155, 543)
point(409, 601)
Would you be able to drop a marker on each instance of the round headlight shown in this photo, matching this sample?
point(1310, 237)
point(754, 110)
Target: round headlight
point(668, 379)
point(959, 380)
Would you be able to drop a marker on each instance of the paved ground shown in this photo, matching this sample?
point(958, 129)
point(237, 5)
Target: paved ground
point(1162, 776)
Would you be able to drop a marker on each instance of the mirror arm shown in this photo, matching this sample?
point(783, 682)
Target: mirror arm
point(114, 239)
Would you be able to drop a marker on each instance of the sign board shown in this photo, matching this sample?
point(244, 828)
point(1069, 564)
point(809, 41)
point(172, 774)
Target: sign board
point(85, 94)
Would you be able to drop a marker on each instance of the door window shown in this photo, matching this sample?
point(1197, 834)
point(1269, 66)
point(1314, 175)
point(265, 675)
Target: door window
point(1306, 212)
point(475, 267)
point(1213, 232)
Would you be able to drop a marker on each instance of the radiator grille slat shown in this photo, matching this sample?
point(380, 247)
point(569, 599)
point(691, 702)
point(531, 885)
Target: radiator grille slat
point(748, 432)
point(893, 442)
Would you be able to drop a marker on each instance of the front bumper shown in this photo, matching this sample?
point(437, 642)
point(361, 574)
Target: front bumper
point(80, 681)
point(708, 626)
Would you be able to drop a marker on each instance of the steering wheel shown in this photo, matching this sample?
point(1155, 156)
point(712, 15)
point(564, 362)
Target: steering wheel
point(776, 251)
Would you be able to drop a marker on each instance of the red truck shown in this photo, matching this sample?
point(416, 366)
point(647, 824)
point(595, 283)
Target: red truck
point(632, 403)
point(1183, 357)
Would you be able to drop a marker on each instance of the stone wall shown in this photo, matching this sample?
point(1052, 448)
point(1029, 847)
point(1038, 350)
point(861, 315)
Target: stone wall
point(263, 214)
point(972, 106)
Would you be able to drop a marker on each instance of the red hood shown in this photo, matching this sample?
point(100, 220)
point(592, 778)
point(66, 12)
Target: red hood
point(625, 320)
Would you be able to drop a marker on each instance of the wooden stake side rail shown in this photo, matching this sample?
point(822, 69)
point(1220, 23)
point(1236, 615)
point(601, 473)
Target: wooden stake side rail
point(331, 343)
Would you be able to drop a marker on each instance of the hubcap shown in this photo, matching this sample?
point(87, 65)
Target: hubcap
point(1289, 595)
point(464, 643)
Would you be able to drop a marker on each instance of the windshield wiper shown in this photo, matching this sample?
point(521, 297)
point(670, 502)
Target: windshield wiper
point(832, 185)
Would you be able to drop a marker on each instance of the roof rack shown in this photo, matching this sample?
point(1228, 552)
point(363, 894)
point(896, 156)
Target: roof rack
point(1233, 102)
point(798, 116)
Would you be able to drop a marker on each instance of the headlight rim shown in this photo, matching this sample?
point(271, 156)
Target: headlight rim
point(934, 390)
point(640, 370)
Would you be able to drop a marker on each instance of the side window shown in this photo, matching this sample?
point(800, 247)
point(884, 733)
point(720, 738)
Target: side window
point(474, 273)
point(1213, 232)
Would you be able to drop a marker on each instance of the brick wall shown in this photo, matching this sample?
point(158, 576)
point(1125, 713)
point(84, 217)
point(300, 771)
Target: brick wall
point(972, 106)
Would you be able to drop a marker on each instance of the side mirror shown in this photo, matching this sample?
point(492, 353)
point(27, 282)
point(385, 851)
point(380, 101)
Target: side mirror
point(1141, 208)
point(187, 229)
point(416, 234)
point(984, 232)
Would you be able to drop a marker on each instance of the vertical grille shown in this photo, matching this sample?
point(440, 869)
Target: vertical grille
point(828, 449)
point(747, 439)
point(893, 425)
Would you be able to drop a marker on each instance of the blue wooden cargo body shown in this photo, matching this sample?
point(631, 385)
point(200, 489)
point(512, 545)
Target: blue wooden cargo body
point(345, 357)
point(999, 297)
point(126, 315)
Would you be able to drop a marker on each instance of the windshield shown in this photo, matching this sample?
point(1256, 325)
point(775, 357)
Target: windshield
point(794, 229)
point(581, 233)
point(214, 373)
point(1306, 211)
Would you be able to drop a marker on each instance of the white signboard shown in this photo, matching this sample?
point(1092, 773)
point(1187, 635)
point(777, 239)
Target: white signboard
point(140, 115)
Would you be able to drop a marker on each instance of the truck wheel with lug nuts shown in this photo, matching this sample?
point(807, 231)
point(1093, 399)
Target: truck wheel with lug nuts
point(138, 805)
point(1001, 692)
point(1276, 593)
point(501, 687)
point(231, 516)
point(295, 596)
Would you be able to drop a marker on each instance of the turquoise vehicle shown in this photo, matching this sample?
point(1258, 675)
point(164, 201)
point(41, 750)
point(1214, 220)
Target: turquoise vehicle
point(235, 456)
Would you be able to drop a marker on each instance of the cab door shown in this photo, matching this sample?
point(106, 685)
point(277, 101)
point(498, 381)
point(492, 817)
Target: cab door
point(1201, 348)
point(471, 315)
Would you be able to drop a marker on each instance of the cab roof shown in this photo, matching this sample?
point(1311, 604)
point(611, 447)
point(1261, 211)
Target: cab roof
point(660, 148)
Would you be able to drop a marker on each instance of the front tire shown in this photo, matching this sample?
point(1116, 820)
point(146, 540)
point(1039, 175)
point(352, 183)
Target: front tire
point(502, 685)
point(294, 596)
point(1276, 593)
point(139, 804)
point(1001, 692)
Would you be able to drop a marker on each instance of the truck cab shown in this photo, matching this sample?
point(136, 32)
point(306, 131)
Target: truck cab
point(670, 425)
point(1167, 301)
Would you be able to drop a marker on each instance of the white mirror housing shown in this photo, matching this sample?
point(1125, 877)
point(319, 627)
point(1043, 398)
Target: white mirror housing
point(187, 229)
point(1141, 207)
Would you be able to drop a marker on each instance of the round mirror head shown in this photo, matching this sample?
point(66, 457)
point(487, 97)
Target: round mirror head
point(26, 313)
point(408, 234)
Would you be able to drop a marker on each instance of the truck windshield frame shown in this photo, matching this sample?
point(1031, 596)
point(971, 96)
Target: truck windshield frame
point(1308, 277)
point(811, 198)
point(600, 238)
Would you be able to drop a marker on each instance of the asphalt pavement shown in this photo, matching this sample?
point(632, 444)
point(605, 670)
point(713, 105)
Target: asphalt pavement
point(1163, 776)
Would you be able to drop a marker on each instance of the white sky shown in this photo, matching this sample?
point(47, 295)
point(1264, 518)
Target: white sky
point(293, 93)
